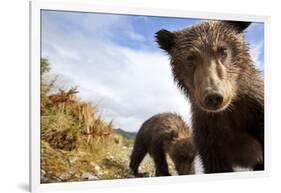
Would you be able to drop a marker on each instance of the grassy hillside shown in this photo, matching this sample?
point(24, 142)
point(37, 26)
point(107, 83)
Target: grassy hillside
point(76, 142)
point(126, 134)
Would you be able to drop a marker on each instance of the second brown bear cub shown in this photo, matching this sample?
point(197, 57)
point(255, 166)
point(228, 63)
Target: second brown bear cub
point(162, 134)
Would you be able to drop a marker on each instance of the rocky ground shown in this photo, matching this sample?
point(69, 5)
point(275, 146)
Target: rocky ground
point(66, 166)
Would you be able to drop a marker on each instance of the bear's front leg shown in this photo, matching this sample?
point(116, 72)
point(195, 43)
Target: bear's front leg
point(160, 162)
point(214, 161)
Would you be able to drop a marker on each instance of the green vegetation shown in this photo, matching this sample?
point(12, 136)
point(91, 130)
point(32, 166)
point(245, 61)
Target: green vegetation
point(126, 134)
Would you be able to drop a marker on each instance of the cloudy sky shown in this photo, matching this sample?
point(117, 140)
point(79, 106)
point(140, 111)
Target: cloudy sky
point(117, 65)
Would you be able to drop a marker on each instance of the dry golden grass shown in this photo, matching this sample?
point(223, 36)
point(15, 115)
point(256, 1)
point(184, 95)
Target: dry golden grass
point(76, 140)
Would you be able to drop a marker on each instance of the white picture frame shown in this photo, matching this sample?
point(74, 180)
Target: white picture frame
point(35, 49)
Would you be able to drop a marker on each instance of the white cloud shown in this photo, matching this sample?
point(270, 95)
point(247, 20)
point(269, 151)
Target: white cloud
point(256, 50)
point(134, 36)
point(128, 85)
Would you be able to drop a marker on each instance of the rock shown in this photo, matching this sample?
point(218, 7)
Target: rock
point(88, 176)
point(65, 176)
point(72, 160)
point(43, 172)
point(109, 157)
point(97, 168)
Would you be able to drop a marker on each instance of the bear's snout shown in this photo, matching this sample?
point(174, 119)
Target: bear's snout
point(213, 98)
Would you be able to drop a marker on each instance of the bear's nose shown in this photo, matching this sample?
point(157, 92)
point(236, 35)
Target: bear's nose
point(213, 98)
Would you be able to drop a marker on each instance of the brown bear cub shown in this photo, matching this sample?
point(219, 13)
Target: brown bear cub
point(211, 63)
point(163, 134)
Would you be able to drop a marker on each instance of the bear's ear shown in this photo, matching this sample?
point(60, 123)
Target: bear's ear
point(165, 39)
point(240, 26)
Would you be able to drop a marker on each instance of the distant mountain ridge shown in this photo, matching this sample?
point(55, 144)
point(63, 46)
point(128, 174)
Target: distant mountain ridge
point(126, 134)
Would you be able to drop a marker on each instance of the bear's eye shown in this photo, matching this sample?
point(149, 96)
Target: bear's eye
point(190, 60)
point(222, 52)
